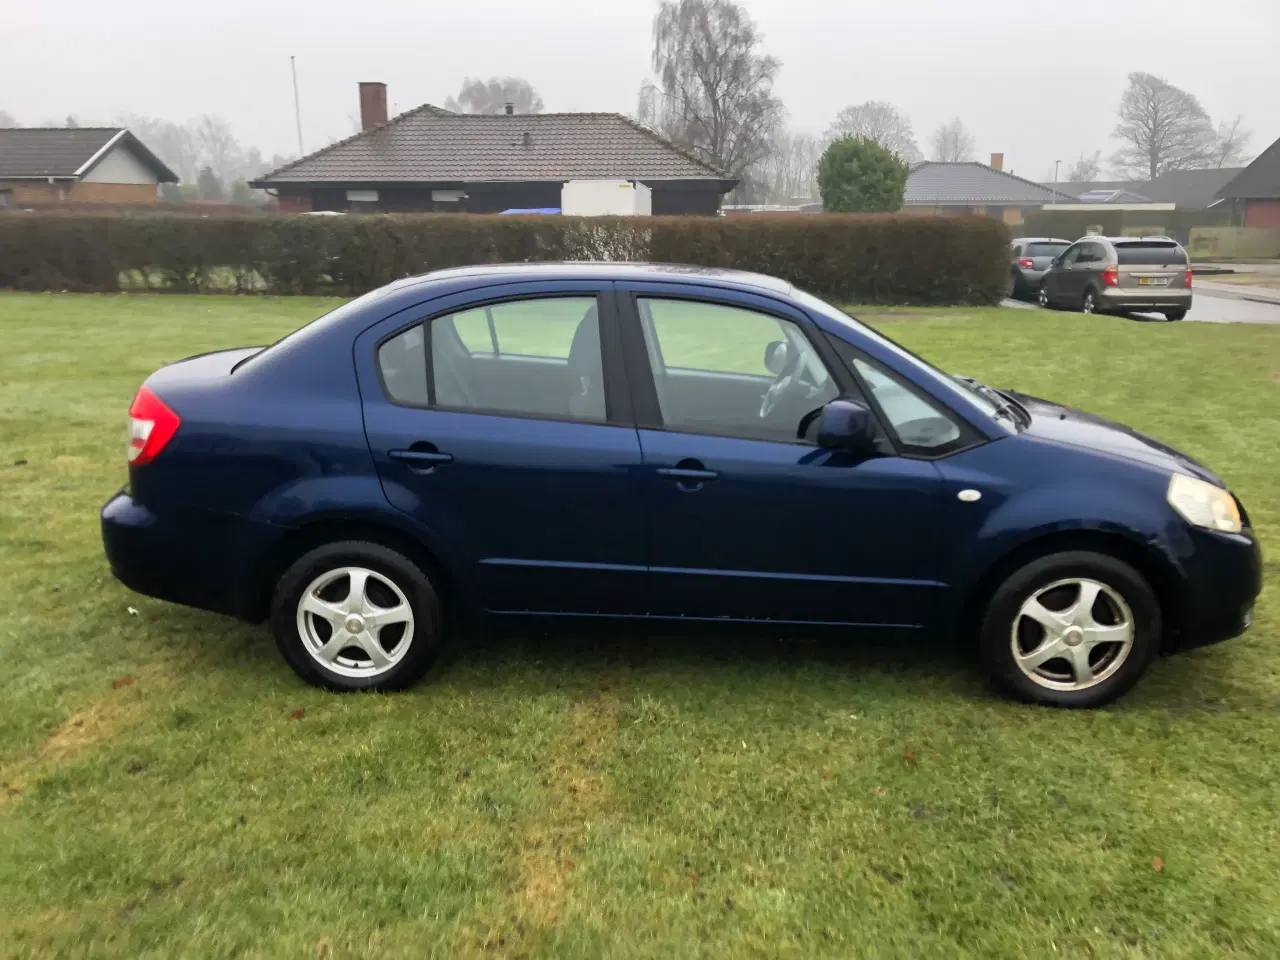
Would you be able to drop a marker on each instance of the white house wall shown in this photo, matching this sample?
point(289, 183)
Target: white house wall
point(120, 166)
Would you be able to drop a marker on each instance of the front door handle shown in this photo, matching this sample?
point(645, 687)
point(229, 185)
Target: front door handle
point(689, 474)
point(422, 457)
point(686, 473)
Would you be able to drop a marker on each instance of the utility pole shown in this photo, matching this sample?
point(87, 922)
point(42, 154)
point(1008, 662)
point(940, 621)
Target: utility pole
point(297, 111)
point(1056, 163)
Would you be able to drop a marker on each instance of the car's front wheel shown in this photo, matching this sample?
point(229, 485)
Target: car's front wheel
point(357, 616)
point(1072, 629)
point(1042, 297)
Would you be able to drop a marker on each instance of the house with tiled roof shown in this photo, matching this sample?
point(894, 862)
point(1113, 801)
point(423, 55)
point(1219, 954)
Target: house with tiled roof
point(971, 187)
point(52, 165)
point(430, 159)
point(1254, 192)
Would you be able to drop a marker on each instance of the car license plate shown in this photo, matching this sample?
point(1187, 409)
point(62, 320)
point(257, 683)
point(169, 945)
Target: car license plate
point(1153, 281)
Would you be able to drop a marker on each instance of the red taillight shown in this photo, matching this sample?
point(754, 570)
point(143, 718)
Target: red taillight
point(1188, 276)
point(1026, 263)
point(1111, 276)
point(151, 425)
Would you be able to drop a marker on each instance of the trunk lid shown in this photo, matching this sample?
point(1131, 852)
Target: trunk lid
point(1151, 264)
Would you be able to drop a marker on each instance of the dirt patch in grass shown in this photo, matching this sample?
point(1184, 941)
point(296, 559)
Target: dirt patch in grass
point(576, 793)
point(96, 723)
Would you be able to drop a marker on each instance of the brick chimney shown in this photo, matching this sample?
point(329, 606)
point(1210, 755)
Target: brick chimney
point(997, 161)
point(510, 108)
point(373, 105)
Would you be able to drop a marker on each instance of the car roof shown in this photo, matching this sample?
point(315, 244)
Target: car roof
point(602, 270)
point(1122, 240)
point(1038, 240)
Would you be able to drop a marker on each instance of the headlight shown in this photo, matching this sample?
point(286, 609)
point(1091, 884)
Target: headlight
point(1204, 505)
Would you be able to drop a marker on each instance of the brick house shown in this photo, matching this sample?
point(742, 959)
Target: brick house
point(44, 165)
point(1255, 191)
point(430, 159)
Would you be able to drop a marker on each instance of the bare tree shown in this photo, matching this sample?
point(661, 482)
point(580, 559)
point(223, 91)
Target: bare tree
point(1086, 168)
point(789, 170)
point(492, 96)
point(879, 121)
point(1232, 148)
point(8, 119)
point(952, 142)
point(1161, 128)
point(172, 142)
point(714, 94)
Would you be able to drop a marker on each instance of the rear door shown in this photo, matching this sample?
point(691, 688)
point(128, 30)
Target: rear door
point(1154, 265)
point(500, 421)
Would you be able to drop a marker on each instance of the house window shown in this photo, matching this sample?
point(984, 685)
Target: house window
point(362, 196)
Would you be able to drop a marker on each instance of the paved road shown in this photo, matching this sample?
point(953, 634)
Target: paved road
point(1217, 303)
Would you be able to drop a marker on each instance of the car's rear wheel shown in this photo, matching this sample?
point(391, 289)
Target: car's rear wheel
point(1175, 314)
point(357, 616)
point(1090, 302)
point(1072, 629)
point(1011, 289)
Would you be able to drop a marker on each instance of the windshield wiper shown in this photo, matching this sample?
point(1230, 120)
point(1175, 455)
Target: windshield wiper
point(1004, 406)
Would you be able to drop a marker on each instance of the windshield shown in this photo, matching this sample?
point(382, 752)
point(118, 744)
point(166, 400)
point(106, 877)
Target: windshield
point(972, 392)
point(1150, 254)
point(1045, 249)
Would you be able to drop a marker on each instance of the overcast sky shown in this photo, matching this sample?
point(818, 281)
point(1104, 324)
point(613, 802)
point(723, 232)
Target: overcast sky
point(1039, 81)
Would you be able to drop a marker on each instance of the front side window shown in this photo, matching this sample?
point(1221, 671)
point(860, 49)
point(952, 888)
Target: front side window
point(921, 427)
point(538, 357)
point(732, 371)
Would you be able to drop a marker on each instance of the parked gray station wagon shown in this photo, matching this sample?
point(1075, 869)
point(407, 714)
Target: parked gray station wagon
point(1120, 275)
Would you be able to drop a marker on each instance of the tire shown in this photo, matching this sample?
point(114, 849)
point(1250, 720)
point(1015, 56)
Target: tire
point(1042, 298)
point(1173, 315)
point(395, 626)
point(1111, 665)
point(1014, 290)
point(1089, 303)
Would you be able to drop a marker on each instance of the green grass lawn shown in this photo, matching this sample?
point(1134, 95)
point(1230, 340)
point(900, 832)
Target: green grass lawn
point(169, 788)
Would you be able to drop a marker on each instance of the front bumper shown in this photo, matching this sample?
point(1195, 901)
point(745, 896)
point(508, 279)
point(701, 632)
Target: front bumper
point(184, 555)
point(1223, 579)
point(1114, 298)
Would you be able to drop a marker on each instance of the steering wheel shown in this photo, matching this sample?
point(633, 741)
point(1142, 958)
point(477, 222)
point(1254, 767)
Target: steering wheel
point(787, 377)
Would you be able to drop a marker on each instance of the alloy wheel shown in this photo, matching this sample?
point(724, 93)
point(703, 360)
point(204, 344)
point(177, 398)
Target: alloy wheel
point(355, 622)
point(1072, 634)
point(1088, 305)
point(1043, 297)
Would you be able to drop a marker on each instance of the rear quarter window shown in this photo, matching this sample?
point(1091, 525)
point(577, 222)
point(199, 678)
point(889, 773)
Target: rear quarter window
point(1150, 254)
point(1045, 249)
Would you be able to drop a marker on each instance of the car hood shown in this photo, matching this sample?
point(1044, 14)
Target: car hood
point(1053, 421)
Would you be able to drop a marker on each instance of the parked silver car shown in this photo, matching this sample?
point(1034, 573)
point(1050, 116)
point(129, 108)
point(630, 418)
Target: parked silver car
point(1120, 275)
point(1030, 258)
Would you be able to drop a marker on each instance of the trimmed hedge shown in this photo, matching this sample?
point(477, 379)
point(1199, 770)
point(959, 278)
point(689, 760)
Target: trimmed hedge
point(846, 258)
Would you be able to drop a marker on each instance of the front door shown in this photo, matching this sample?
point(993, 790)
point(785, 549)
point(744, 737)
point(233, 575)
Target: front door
point(500, 425)
point(1059, 278)
point(746, 519)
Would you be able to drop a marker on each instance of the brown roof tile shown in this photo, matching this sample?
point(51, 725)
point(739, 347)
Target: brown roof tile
point(430, 144)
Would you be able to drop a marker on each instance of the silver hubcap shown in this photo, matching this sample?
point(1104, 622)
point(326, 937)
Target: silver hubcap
point(355, 622)
point(1044, 297)
point(1072, 634)
point(1088, 303)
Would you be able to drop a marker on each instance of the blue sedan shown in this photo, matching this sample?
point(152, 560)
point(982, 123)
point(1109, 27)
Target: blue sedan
point(663, 444)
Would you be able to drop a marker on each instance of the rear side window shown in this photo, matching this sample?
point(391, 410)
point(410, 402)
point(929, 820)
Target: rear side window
point(1045, 249)
point(1150, 254)
point(536, 358)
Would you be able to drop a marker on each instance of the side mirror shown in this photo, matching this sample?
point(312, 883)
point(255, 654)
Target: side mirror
point(775, 356)
point(847, 425)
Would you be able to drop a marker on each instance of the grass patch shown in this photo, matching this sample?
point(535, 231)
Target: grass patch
point(168, 788)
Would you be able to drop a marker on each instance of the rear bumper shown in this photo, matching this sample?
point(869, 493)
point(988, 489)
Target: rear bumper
point(1111, 298)
point(184, 555)
point(1223, 579)
point(1027, 279)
